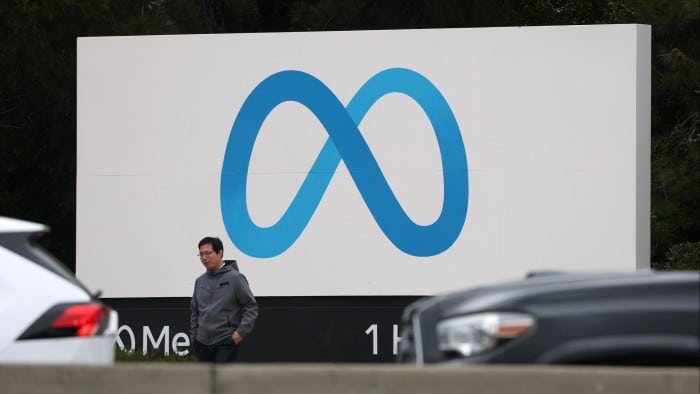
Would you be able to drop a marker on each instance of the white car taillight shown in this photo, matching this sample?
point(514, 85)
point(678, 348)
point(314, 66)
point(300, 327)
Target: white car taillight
point(85, 319)
point(67, 320)
point(477, 333)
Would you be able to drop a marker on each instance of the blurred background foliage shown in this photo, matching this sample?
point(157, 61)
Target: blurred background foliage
point(38, 85)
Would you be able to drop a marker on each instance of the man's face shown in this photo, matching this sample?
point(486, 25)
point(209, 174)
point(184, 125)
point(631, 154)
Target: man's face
point(209, 258)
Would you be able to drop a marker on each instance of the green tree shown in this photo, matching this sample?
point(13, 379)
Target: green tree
point(37, 112)
point(675, 156)
point(682, 256)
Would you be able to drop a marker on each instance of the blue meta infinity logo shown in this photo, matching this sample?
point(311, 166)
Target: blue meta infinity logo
point(347, 143)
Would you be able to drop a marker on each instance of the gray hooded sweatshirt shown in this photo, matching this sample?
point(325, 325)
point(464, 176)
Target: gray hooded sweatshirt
point(222, 303)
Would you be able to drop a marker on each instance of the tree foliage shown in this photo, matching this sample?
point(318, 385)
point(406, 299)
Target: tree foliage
point(38, 79)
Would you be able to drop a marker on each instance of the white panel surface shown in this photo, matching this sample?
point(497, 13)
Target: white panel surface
point(554, 121)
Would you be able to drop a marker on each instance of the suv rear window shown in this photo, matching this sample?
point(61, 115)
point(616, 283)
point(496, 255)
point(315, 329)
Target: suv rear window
point(27, 246)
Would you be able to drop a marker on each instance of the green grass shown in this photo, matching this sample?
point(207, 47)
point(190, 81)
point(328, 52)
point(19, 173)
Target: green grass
point(138, 356)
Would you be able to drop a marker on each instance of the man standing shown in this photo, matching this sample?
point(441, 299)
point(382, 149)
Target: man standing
point(223, 308)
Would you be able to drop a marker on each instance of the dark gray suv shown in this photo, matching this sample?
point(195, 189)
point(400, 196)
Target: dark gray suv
point(638, 318)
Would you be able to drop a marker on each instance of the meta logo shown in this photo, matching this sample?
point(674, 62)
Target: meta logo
point(345, 143)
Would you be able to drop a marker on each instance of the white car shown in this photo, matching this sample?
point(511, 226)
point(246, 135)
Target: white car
point(49, 317)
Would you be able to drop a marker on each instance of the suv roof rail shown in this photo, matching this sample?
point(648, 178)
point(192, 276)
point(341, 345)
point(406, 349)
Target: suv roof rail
point(536, 274)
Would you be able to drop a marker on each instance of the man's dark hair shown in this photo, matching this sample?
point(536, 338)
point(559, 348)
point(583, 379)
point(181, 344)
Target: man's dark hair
point(215, 243)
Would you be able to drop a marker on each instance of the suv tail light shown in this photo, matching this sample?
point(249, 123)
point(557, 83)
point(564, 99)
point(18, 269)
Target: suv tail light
point(70, 320)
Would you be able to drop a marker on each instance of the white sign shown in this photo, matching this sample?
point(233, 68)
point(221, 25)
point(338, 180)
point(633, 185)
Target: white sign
point(404, 162)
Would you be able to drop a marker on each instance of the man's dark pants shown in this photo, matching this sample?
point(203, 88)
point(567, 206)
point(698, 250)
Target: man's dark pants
point(224, 351)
